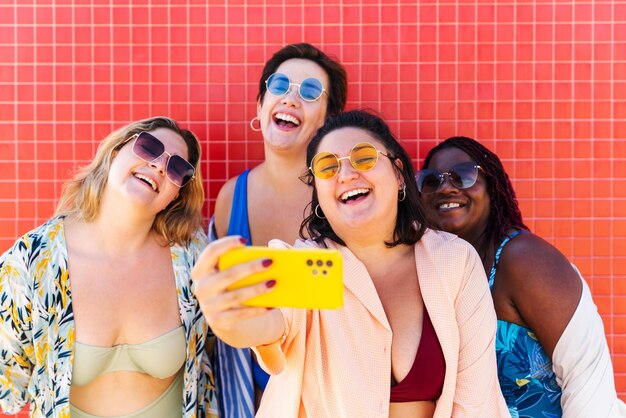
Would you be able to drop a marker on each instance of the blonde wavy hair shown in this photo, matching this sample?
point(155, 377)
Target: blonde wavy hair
point(177, 223)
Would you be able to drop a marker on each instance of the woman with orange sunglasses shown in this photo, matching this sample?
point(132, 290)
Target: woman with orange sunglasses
point(415, 337)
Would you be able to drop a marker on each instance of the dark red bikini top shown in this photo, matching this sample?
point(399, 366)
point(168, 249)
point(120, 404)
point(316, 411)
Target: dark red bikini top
point(425, 380)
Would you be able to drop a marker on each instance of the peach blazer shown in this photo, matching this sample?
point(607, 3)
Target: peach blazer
point(337, 363)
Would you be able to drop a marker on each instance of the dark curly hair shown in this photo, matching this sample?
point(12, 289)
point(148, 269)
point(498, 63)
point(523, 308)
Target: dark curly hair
point(337, 77)
point(504, 212)
point(410, 221)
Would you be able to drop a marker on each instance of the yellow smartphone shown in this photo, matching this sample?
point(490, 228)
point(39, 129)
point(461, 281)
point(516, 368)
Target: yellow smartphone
point(305, 278)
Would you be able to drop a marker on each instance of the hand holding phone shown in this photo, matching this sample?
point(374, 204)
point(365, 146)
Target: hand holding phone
point(305, 278)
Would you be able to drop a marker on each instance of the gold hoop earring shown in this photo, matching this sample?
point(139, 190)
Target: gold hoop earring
point(317, 214)
point(402, 193)
point(252, 124)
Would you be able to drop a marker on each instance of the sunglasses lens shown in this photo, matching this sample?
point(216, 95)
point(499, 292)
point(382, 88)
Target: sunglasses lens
point(461, 176)
point(179, 170)
point(311, 89)
point(464, 175)
point(429, 180)
point(147, 147)
point(278, 84)
point(363, 156)
point(325, 165)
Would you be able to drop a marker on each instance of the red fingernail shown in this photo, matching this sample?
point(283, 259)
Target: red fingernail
point(267, 262)
point(270, 283)
point(243, 240)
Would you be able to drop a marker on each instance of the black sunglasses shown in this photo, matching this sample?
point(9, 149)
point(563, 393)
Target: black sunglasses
point(150, 148)
point(461, 176)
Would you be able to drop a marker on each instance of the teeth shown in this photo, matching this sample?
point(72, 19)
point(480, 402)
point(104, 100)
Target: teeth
point(288, 118)
point(351, 193)
point(449, 205)
point(147, 180)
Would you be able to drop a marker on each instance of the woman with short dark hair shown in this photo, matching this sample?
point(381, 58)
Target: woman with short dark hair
point(299, 87)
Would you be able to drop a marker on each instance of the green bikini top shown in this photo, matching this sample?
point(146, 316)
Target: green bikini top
point(159, 357)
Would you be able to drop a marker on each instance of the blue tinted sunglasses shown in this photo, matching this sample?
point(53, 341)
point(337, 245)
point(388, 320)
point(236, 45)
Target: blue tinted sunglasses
point(310, 89)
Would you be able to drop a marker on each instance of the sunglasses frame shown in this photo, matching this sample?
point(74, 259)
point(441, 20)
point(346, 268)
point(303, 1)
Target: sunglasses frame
point(134, 139)
point(348, 157)
point(446, 175)
point(295, 84)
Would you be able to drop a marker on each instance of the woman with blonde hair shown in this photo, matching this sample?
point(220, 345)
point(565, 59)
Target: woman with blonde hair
point(97, 313)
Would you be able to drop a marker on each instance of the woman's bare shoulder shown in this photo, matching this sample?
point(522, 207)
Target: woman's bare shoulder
point(223, 206)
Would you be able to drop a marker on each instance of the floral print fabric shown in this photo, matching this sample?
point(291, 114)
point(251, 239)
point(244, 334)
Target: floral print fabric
point(37, 332)
point(525, 372)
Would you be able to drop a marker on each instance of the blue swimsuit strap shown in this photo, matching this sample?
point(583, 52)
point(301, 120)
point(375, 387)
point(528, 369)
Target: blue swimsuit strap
point(494, 267)
point(238, 223)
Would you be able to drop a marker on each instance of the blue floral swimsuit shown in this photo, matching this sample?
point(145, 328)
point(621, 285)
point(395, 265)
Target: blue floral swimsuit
point(525, 372)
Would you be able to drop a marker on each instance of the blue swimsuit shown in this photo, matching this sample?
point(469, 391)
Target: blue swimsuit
point(236, 369)
point(525, 372)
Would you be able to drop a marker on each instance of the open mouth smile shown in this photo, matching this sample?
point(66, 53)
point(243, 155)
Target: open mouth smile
point(148, 181)
point(354, 194)
point(286, 120)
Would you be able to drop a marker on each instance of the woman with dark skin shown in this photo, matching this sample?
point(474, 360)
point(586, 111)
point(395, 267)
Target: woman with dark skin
point(539, 296)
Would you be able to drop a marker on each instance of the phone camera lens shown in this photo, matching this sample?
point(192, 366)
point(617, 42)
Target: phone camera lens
point(320, 263)
point(329, 263)
point(309, 262)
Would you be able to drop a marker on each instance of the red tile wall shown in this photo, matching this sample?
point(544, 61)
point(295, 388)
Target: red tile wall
point(543, 83)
